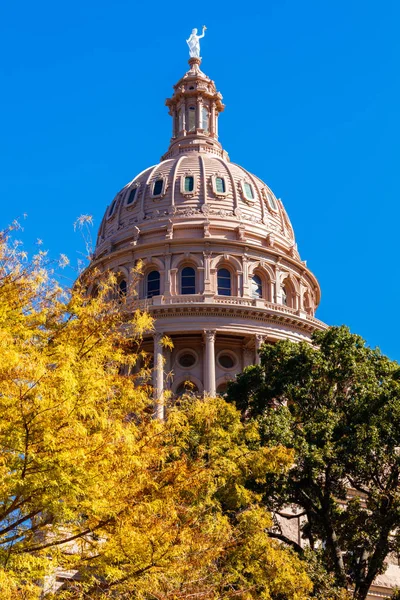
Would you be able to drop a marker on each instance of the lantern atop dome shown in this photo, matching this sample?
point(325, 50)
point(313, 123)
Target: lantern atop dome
point(194, 107)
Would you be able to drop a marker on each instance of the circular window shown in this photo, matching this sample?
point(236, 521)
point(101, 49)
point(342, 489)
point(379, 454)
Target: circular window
point(187, 359)
point(226, 360)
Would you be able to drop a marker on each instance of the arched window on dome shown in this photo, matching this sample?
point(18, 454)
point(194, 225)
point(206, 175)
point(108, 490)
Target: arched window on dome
point(220, 185)
point(192, 118)
point(248, 191)
point(153, 284)
point(204, 119)
point(188, 280)
point(189, 183)
point(158, 187)
point(284, 294)
point(224, 282)
point(256, 287)
point(271, 201)
point(111, 209)
point(132, 196)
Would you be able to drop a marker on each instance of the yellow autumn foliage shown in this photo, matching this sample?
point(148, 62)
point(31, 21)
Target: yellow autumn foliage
point(93, 489)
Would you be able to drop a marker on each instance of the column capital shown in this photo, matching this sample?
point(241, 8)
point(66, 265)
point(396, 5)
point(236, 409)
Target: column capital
point(157, 337)
point(209, 335)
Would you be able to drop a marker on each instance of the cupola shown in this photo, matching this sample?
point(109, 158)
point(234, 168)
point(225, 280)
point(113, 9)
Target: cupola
point(194, 107)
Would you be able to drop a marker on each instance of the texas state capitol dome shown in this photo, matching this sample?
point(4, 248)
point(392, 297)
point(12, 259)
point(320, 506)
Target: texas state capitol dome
point(222, 273)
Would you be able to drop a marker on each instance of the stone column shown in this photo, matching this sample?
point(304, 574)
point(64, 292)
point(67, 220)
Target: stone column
point(246, 281)
point(259, 339)
point(199, 114)
point(212, 120)
point(209, 362)
point(167, 274)
point(158, 376)
point(248, 357)
point(207, 274)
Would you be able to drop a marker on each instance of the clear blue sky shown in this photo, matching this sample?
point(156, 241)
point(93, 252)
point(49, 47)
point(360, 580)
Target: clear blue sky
point(312, 107)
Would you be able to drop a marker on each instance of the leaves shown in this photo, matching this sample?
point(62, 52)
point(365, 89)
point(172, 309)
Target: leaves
point(336, 403)
point(98, 498)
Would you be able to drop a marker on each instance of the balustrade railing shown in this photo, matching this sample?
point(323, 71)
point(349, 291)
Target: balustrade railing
point(144, 304)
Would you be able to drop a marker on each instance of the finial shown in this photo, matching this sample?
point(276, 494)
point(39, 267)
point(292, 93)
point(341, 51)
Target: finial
point(194, 44)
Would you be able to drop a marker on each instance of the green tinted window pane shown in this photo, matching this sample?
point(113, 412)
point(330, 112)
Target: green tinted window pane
point(189, 184)
point(248, 190)
point(220, 185)
point(272, 201)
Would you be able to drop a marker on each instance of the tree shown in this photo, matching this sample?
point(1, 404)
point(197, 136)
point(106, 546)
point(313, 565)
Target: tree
point(336, 403)
point(93, 487)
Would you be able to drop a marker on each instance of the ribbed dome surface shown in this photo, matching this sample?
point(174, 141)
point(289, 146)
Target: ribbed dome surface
point(198, 187)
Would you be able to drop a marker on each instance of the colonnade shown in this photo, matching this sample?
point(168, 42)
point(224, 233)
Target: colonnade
point(209, 336)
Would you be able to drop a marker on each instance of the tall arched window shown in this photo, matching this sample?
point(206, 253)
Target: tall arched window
point(188, 281)
point(284, 296)
point(122, 287)
point(204, 119)
point(256, 287)
point(224, 282)
point(192, 118)
point(153, 284)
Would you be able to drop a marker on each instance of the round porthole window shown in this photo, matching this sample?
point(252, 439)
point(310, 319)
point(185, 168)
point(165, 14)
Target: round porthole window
point(226, 360)
point(187, 359)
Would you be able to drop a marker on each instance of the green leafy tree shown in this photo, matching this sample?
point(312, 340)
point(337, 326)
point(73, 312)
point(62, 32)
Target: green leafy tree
point(336, 402)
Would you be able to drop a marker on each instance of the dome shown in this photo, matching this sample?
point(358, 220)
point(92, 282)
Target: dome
point(195, 185)
point(203, 192)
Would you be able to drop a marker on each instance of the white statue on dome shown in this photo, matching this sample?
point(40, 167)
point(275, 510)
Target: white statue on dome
point(194, 44)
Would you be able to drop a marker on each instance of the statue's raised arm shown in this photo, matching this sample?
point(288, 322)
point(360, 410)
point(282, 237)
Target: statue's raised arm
point(194, 44)
point(204, 31)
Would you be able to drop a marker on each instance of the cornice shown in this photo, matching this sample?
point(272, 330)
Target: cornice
point(262, 315)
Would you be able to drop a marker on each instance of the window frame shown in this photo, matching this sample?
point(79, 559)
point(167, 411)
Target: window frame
point(183, 267)
point(233, 356)
point(249, 201)
point(271, 201)
point(163, 187)
point(191, 110)
point(122, 293)
point(261, 284)
point(182, 184)
point(147, 284)
point(112, 207)
point(205, 111)
point(214, 185)
point(183, 351)
point(131, 189)
point(220, 268)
